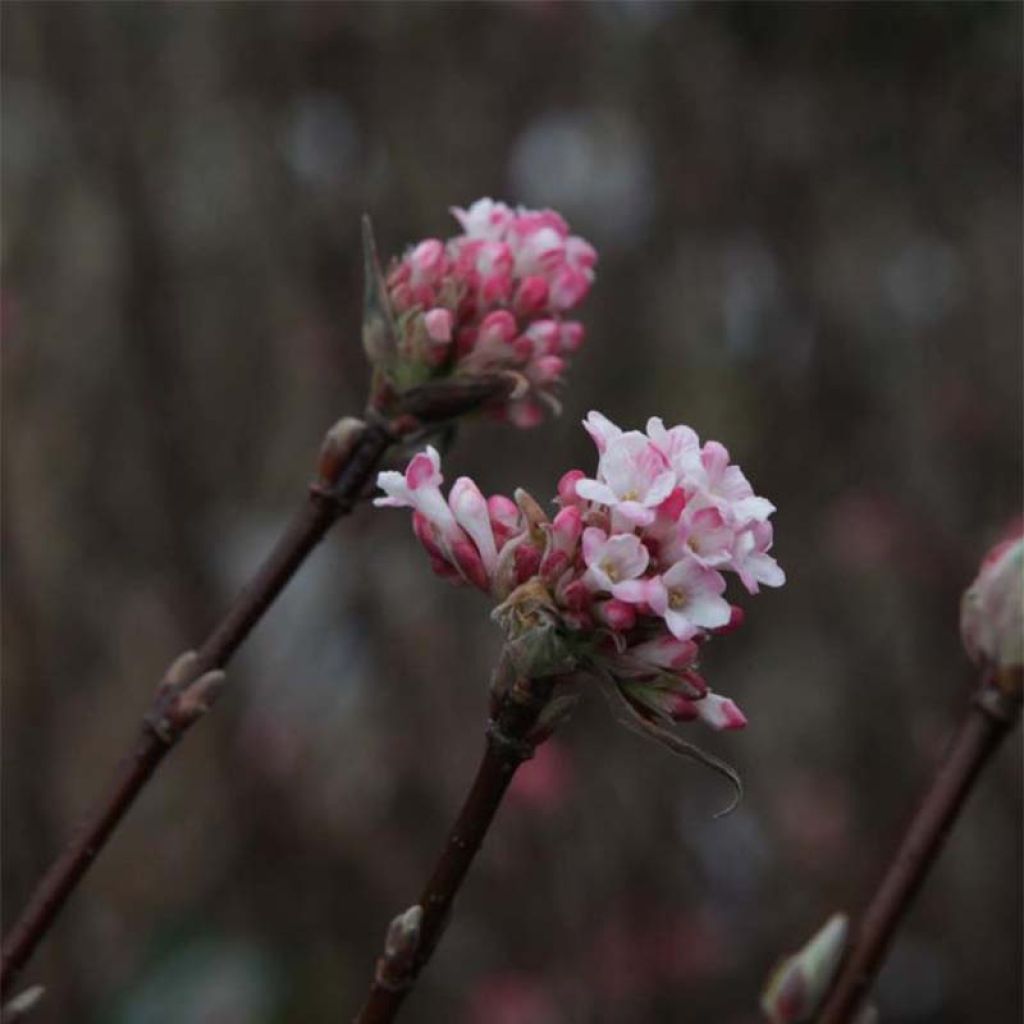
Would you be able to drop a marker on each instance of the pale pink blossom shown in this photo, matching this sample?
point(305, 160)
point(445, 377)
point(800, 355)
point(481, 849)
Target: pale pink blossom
point(611, 561)
point(688, 598)
point(751, 561)
point(633, 477)
point(419, 487)
point(601, 429)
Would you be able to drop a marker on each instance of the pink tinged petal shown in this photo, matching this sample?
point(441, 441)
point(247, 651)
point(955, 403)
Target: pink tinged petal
point(643, 593)
point(546, 370)
point(576, 596)
point(567, 495)
point(626, 555)
point(679, 624)
point(395, 490)
point(766, 570)
point(568, 288)
point(708, 610)
point(527, 562)
point(754, 509)
point(720, 712)
point(543, 336)
point(633, 513)
point(715, 458)
point(439, 325)
point(593, 543)
point(499, 326)
point(532, 295)
point(667, 652)
point(737, 617)
point(617, 615)
point(601, 429)
point(672, 507)
point(424, 470)
point(504, 513)
point(593, 490)
point(427, 261)
point(553, 564)
point(571, 337)
point(693, 684)
point(426, 535)
point(567, 527)
point(471, 564)
point(680, 708)
point(580, 253)
point(471, 513)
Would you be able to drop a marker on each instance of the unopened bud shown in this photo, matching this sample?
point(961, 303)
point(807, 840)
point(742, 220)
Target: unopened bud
point(404, 933)
point(23, 1004)
point(991, 615)
point(337, 447)
point(799, 983)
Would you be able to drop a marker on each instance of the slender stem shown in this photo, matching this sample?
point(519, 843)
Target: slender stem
point(990, 717)
point(414, 935)
point(182, 699)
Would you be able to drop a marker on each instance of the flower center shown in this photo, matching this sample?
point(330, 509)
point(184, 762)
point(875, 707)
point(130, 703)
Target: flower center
point(631, 495)
point(611, 572)
point(676, 599)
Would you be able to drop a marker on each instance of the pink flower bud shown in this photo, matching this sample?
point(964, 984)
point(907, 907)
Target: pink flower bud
point(720, 712)
point(544, 337)
point(427, 261)
point(737, 616)
point(525, 414)
point(438, 322)
point(991, 614)
point(571, 336)
point(616, 615)
point(680, 708)
point(567, 496)
point(471, 564)
point(498, 326)
point(505, 521)
point(527, 558)
point(532, 295)
point(548, 369)
point(568, 288)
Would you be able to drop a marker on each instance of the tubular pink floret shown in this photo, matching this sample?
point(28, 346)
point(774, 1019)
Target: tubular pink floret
point(634, 561)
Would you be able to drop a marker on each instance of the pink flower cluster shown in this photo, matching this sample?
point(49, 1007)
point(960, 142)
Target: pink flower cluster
point(632, 562)
point(494, 298)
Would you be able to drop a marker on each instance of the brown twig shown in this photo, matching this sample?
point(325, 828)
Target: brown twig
point(414, 934)
point(991, 716)
point(347, 464)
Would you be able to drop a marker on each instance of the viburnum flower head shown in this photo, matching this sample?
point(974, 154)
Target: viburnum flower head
point(494, 298)
point(631, 567)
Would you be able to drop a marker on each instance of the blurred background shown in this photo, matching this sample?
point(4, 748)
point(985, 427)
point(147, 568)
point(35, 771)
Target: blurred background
point(809, 221)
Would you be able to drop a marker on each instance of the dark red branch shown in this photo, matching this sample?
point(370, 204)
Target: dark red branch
point(405, 955)
point(988, 720)
point(181, 701)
